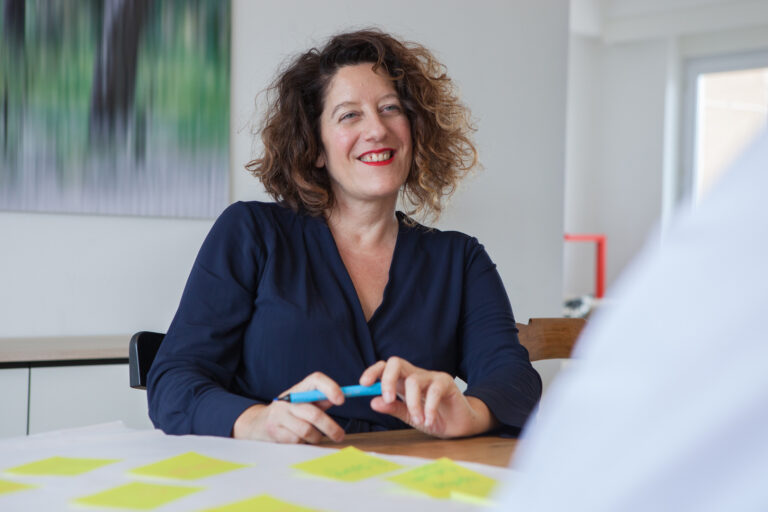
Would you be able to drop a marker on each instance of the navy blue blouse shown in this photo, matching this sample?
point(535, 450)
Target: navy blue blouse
point(269, 301)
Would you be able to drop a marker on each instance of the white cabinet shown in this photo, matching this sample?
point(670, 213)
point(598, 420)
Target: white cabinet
point(53, 383)
point(13, 401)
point(548, 370)
point(73, 396)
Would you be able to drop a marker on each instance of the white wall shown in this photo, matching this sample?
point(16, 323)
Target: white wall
point(615, 152)
point(75, 274)
point(78, 275)
point(513, 74)
point(632, 148)
point(583, 170)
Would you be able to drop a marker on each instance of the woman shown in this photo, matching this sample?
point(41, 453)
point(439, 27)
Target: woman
point(331, 286)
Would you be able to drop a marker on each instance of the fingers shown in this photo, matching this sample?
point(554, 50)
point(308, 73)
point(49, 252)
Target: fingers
point(391, 373)
point(285, 422)
point(300, 423)
point(308, 422)
point(397, 409)
point(319, 422)
point(394, 372)
point(323, 405)
point(424, 393)
point(323, 383)
point(285, 436)
point(372, 373)
point(398, 378)
point(441, 386)
point(413, 397)
point(298, 430)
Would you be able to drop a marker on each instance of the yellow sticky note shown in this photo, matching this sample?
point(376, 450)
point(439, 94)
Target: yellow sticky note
point(262, 503)
point(7, 486)
point(60, 466)
point(136, 495)
point(187, 466)
point(348, 465)
point(442, 478)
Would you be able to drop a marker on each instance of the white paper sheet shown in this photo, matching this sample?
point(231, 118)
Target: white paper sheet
point(270, 472)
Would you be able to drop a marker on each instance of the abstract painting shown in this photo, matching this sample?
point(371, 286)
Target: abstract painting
point(115, 106)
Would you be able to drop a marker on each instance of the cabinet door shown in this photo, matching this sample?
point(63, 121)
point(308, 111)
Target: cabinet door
point(75, 396)
point(14, 384)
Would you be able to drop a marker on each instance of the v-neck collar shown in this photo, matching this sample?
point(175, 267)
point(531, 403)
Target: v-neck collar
point(349, 286)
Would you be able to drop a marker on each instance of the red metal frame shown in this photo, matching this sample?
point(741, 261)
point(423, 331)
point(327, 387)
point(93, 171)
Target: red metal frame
point(599, 240)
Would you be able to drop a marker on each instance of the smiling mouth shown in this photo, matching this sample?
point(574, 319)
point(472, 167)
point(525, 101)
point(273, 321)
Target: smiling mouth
point(378, 157)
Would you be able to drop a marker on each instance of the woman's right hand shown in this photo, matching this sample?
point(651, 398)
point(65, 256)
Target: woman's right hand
point(284, 422)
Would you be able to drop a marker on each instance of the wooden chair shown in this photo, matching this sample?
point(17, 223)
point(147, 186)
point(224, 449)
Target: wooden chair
point(550, 338)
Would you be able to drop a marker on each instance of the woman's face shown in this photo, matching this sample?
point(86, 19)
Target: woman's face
point(366, 136)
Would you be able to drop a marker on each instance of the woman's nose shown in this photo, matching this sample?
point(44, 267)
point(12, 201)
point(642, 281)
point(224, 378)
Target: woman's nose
point(375, 129)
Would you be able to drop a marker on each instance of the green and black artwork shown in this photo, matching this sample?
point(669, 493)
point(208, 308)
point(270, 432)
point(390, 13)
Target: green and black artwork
point(115, 106)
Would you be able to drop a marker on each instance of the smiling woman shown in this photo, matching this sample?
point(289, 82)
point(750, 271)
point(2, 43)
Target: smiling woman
point(331, 286)
point(366, 137)
point(442, 150)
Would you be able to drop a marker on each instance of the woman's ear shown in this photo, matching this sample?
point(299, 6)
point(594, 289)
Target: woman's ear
point(320, 162)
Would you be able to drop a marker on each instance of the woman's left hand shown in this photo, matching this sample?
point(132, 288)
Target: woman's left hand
point(431, 401)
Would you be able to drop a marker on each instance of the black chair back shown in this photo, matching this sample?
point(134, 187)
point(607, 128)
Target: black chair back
point(141, 352)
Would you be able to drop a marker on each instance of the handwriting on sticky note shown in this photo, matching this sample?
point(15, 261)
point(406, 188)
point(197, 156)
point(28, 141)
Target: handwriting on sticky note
point(60, 466)
point(187, 466)
point(443, 477)
point(7, 486)
point(262, 503)
point(348, 465)
point(137, 495)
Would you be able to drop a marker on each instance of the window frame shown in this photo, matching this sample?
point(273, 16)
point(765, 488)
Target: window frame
point(693, 68)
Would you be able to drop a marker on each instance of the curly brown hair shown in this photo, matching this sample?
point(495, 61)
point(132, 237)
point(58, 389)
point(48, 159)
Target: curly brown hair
point(443, 151)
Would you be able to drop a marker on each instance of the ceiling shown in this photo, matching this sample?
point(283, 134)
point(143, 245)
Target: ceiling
point(627, 20)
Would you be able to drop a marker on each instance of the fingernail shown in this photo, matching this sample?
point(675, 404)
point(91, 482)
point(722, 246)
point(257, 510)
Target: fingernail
point(389, 397)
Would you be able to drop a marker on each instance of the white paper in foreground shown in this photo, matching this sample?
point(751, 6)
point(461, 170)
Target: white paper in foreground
point(270, 472)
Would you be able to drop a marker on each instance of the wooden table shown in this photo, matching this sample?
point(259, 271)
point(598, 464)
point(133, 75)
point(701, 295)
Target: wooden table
point(493, 450)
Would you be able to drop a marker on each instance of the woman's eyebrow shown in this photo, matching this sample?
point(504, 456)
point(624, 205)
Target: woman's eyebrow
point(351, 103)
point(341, 105)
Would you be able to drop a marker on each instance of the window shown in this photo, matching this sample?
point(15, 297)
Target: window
point(726, 102)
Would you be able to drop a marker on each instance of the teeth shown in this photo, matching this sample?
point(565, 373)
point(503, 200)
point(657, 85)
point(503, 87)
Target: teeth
point(376, 157)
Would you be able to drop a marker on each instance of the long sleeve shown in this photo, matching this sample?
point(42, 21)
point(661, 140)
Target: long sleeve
point(189, 381)
point(269, 301)
point(494, 363)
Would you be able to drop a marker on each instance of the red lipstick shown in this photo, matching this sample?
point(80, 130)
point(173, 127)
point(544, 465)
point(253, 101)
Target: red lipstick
point(376, 152)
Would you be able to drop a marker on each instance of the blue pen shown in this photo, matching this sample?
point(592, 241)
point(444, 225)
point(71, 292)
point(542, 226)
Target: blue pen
point(316, 396)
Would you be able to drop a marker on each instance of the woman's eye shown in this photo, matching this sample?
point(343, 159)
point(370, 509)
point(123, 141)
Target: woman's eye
point(391, 108)
point(348, 115)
